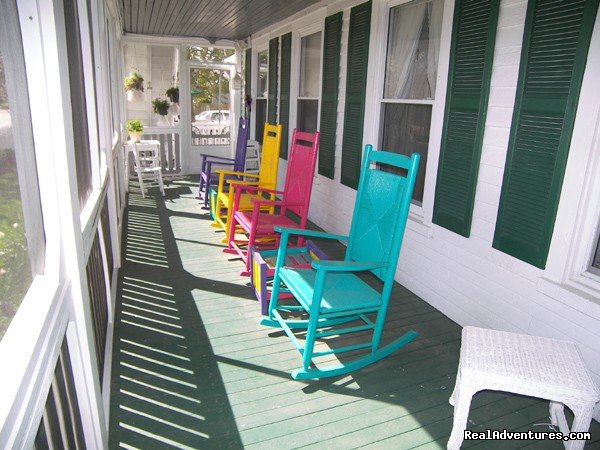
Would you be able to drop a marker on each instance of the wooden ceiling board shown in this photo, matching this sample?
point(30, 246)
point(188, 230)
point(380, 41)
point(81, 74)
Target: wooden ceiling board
point(185, 11)
point(202, 16)
point(219, 19)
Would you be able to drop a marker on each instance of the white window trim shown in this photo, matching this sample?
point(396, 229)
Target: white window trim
point(576, 227)
point(258, 46)
point(315, 27)
point(420, 216)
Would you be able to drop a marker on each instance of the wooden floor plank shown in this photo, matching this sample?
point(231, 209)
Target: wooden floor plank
point(192, 367)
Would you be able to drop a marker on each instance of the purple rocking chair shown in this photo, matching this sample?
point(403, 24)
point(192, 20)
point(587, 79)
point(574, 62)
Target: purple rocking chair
point(208, 177)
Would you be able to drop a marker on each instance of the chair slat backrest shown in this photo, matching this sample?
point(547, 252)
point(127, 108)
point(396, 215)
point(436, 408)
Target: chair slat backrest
point(239, 161)
point(381, 209)
point(269, 159)
point(300, 171)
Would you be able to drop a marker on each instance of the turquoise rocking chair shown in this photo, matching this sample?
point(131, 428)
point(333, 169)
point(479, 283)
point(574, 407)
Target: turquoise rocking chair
point(335, 299)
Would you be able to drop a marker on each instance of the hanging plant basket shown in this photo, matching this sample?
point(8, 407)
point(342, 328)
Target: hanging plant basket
point(173, 94)
point(134, 86)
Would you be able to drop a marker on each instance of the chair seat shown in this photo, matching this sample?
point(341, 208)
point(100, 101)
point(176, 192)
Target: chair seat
point(342, 291)
point(266, 222)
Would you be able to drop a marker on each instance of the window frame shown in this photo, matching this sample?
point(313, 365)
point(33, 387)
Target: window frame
point(406, 101)
point(318, 27)
point(216, 150)
point(420, 216)
point(258, 47)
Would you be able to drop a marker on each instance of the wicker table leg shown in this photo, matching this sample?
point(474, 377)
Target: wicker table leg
point(461, 397)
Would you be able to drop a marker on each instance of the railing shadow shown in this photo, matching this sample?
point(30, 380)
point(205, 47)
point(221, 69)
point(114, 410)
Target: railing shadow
point(166, 388)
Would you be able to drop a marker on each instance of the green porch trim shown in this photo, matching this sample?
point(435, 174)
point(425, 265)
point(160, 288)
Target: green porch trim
point(472, 53)
point(329, 93)
point(284, 94)
point(272, 98)
point(555, 47)
point(356, 83)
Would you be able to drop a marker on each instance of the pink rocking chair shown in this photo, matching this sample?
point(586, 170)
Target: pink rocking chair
point(295, 197)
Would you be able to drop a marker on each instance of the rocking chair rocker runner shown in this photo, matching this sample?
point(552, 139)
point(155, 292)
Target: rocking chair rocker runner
point(330, 292)
point(208, 176)
point(259, 226)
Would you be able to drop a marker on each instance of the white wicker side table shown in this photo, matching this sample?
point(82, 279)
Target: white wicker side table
point(527, 365)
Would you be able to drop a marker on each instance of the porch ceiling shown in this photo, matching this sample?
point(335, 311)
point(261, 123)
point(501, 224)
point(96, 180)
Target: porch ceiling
point(211, 19)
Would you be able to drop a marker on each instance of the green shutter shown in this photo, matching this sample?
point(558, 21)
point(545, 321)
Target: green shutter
point(284, 100)
point(472, 52)
point(272, 105)
point(247, 74)
point(555, 46)
point(329, 93)
point(356, 83)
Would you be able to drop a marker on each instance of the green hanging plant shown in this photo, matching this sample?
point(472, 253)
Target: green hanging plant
point(160, 106)
point(173, 94)
point(133, 82)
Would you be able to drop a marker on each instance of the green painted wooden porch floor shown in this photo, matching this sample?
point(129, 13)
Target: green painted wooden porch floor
point(192, 368)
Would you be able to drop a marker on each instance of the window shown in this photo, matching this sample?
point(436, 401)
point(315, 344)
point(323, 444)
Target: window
point(21, 230)
point(410, 81)
point(210, 106)
point(262, 75)
point(310, 70)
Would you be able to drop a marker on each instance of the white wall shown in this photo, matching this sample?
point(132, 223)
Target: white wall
point(467, 279)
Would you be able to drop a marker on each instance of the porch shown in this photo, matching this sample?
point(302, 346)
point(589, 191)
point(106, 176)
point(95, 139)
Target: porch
point(192, 368)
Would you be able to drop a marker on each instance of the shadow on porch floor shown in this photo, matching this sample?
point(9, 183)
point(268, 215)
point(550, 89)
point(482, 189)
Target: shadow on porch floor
point(193, 369)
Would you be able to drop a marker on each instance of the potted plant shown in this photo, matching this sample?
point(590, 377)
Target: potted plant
point(161, 107)
point(134, 86)
point(135, 128)
point(173, 94)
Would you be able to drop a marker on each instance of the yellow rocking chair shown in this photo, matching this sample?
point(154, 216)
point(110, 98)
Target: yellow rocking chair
point(266, 178)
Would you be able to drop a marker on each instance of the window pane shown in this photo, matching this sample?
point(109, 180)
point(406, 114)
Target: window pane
point(16, 267)
point(308, 111)
point(406, 131)
point(413, 50)
point(210, 54)
point(210, 106)
point(262, 73)
point(310, 63)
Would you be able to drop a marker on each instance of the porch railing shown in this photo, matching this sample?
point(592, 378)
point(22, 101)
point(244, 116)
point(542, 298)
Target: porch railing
point(170, 148)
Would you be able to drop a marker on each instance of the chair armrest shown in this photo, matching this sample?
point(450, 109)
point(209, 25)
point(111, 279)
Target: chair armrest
point(207, 165)
point(256, 189)
point(239, 174)
point(223, 158)
point(262, 202)
point(241, 184)
point(346, 266)
point(311, 233)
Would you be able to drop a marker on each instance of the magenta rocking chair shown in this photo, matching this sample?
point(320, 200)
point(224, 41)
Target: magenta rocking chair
point(208, 176)
point(295, 198)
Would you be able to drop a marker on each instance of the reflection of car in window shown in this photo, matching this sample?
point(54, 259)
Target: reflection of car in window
point(212, 122)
